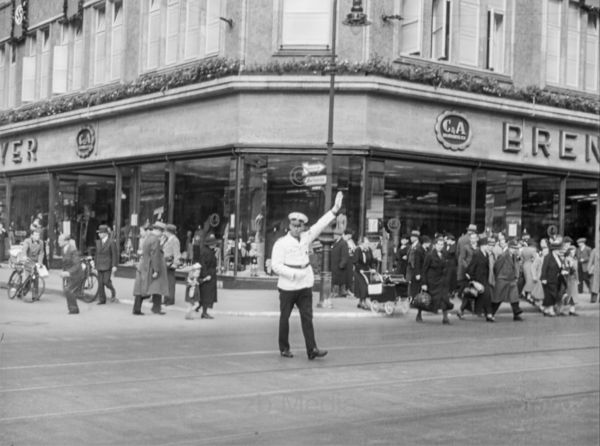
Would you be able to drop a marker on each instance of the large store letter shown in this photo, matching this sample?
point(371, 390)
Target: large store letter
point(566, 145)
point(541, 141)
point(591, 147)
point(513, 137)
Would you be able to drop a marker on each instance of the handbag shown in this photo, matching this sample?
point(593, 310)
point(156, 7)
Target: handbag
point(42, 271)
point(422, 301)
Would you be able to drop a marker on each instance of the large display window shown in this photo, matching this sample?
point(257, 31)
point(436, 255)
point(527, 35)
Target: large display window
point(580, 209)
point(28, 201)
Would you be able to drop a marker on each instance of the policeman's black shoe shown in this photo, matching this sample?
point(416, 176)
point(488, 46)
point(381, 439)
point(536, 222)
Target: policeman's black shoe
point(138, 313)
point(287, 354)
point(419, 318)
point(206, 316)
point(316, 353)
point(74, 312)
point(101, 303)
point(445, 321)
point(517, 318)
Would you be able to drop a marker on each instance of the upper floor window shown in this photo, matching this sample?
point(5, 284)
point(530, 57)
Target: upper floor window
point(45, 65)
point(28, 85)
point(410, 32)
point(99, 44)
point(2, 76)
point(306, 24)
point(495, 36)
point(571, 45)
point(468, 32)
point(116, 39)
point(440, 29)
point(178, 30)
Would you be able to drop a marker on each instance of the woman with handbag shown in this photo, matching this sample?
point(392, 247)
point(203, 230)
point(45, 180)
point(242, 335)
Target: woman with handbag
point(435, 282)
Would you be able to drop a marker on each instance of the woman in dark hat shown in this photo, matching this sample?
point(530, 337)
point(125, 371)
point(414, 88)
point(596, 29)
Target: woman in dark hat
point(435, 281)
point(552, 280)
point(208, 275)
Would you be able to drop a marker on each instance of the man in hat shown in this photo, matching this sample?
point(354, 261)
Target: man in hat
point(172, 252)
point(583, 258)
point(414, 266)
point(106, 261)
point(506, 274)
point(33, 248)
point(151, 274)
point(551, 277)
point(479, 271)
point(290, 261)
point(339, 263)
point(465, 247)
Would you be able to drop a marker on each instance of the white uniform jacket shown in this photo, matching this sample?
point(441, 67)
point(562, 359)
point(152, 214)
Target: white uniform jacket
point(290, 260)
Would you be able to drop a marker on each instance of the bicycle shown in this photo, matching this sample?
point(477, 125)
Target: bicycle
point(90, 281)
point(19, 287)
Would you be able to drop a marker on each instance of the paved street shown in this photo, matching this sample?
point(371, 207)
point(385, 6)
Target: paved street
point(105, 377)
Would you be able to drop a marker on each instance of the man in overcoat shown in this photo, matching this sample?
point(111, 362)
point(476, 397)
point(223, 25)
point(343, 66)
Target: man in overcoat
point(106, 261)
point(208, 275)
point(465, 247)
point(506, 273)
point(479, 271)
point(414, 267)
point(172, 252)
point(339, 263)
point(151, 275)
point(552, 279)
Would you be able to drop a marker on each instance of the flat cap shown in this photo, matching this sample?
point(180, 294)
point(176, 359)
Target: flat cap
point(472, 227)
point(159, 225)
point(298, 216)
point(171, 228)
point(102, 229)
point(415, 233)
point(581, 240)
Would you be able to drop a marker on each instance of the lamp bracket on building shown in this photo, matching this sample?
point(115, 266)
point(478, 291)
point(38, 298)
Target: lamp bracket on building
point(228, 21)
point(387, 18)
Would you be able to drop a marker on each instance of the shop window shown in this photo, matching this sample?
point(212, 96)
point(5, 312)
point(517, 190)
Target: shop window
point(580, 209)
point(410, 31)
point(153, 193)
point(305, 24)
point(429, 198)
point(513, 203)
point(468, 32)
point(29, 198)
point(204, 204)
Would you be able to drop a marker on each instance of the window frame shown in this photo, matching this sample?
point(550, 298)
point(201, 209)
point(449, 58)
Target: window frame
point(308, 47)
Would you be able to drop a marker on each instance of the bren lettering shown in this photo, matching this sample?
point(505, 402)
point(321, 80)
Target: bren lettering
point(542, 143)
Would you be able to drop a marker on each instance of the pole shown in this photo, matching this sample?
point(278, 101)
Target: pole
point(327, 236)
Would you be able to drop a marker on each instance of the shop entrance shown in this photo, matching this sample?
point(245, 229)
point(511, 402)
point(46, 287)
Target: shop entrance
point(85, 200)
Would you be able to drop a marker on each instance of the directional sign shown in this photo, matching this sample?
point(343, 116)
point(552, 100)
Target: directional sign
point(317, 180)
point(312, 168)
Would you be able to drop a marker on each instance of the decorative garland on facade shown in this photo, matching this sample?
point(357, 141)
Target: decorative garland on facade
point(73, 19)
point(218, 68)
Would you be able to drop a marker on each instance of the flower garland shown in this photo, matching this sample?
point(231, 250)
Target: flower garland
point(220, 67)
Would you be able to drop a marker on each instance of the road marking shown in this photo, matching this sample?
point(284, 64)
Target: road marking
point(272, 393)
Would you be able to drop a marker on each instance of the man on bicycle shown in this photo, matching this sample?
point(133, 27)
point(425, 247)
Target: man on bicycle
point(33, 248)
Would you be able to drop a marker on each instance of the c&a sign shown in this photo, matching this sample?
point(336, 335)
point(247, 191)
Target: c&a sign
point(453, 130)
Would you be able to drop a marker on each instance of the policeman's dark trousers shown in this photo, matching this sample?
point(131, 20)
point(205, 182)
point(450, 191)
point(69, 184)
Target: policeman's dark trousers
point(303, 300)
point(104, 281)
point(170, 299)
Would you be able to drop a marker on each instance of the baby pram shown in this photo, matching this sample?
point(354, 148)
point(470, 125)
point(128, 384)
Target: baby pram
point(384, 291)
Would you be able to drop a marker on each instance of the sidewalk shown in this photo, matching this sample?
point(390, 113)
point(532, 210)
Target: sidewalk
point(251, 303)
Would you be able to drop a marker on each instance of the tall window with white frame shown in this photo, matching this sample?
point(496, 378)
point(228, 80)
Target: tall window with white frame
point(60, 60)
point(192, 29)
point(153, 52)
point(553, 31)
point(77, 66)
point(305, 24)
point(99, 44)
point(592, 47)
point(2, 75)
point(45, 64)
point(116, 39)
point(213, 27)
point(171, 45)
point(468, 32)
point(573, 44)
point(440, 30)
point(28, 93)
point(496, 36)
point(12, 77)
point(410, 27)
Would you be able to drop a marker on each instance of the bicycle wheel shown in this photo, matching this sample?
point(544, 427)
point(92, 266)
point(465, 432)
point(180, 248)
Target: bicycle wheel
point(14, 283)
point(90, 288)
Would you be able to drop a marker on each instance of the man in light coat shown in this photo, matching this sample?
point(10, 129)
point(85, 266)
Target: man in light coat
point(172, 253)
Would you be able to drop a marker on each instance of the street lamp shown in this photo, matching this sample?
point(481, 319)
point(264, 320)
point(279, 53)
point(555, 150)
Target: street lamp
point(356, 17)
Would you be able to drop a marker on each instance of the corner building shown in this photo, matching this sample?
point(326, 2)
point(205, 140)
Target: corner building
point(213, 115)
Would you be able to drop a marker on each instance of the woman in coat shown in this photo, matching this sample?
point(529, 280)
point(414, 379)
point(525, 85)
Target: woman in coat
point(208, 275)
point(435, 281)
point(594, 271)
point(151, 274)
point(364, 261)
point(536, 295)
point(506, 273)
point(478, 270)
